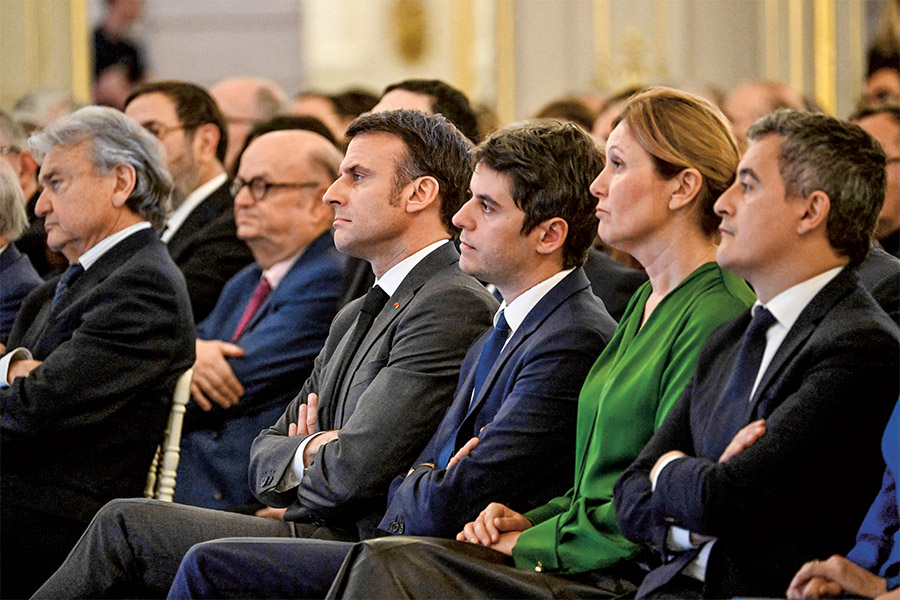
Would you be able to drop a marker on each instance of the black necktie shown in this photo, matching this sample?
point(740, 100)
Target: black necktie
point(753, 345)
point(488, 357)
point(64, 284)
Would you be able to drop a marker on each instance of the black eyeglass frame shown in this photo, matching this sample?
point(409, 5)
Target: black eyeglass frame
point(259, 187)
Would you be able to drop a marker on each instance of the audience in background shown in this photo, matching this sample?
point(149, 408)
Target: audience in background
point(377, 391)
point(883, 123)
point(94, 355)
point(19, 276)
point(281, 123)
point(119, 62)
point(609, 113)
point(754, 99)
point(336, 111)
point(40, 107)
point(200, 233)
point(793, 393)
point(668, 159)
point(244, 102)
point(33, 241)
point(271, 319)
point(569, 109)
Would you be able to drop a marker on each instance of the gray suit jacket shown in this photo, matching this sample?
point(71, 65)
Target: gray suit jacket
point(396, 390)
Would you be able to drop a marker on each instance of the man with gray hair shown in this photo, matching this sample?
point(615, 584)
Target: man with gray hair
point(94, 353)
point(19, 276)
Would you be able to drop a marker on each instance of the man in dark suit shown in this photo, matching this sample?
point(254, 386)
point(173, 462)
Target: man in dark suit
point(272, 318)
point(790, 395)
point(19, 276)
point(200, 233)
point(431, 96)
point(527, 230)
point(883, 123)
point(377, 390)
point(86, 389)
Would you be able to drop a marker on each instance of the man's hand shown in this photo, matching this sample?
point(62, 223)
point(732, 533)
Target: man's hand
point(268, 512)
point(312, 448)
point(743, 439)
point(495, 527)
point(463, 452)
point(306, 417)
point(214, 381)
point(21, 368)
point(835, 577)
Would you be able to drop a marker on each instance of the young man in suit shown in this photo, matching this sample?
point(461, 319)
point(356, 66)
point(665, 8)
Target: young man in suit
point(200, 232)
point(794, 393)
point(378, 387)
point(526, 229)
point(272, 318)
point(86, 388)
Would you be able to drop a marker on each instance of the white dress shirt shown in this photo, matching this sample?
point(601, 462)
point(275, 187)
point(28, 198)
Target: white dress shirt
point(184, 210)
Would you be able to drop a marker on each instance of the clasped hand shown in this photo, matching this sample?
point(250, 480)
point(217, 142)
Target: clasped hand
point(498, 527)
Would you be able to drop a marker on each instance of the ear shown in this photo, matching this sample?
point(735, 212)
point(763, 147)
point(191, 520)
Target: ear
point(552, 235)
point(816, 207)
point(126, 179)
point(421, 193)
point(206, 139)
point(687, 186)
point(27, 168)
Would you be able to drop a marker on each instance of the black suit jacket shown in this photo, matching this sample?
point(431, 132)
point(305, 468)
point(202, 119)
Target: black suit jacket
point(880, 275)
point(398, 385)
point(611, 281)
point(524, 416)
point(207, 250)
point(801, 490)
point(81, 429)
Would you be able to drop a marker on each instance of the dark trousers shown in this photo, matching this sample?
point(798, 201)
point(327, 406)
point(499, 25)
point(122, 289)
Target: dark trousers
point(132, 548)
point(406, 567)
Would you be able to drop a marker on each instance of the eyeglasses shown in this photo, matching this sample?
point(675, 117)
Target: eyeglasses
point(161, 130)
point(259, 187)
point(10, 149)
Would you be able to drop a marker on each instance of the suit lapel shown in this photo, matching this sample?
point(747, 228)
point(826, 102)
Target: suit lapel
point(393, 308)
point(212, 207)
point(803, 327)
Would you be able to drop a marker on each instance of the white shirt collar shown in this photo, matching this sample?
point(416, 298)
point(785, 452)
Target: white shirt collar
point(516, 312)
point(194, 199)
point(103, 246)
point(390, 281)
point(4, 247)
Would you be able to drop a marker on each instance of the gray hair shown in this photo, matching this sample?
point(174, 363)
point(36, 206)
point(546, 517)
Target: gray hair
point(115, 140)
point(819, 152)
point(13, 219)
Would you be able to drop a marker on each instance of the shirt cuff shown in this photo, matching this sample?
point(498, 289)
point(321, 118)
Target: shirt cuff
point(678, 539)
point(294, 474)
point(17, 354)
point(659, 471)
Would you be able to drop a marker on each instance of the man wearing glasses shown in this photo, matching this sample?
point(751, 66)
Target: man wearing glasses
point(200, 232)
point(260, 340)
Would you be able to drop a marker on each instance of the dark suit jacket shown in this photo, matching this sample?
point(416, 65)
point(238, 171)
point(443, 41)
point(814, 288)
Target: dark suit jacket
point(880, 275)
point(527, 407)
point(611, 281)
point(802, 489)
point(280, 343)
point(398, 385)
point(207, 250)
point(82, 427)
point(19, 278)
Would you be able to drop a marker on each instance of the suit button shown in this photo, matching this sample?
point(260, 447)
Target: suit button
point(396, 527)
point(218, 495)
point(216, 435)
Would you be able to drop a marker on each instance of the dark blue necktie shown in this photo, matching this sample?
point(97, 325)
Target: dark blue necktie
point(488, 357)
point(65, 282)
point(753, 345)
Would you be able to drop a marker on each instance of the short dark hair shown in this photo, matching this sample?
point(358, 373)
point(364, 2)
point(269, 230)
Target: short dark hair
point(193, 105)
point(568, 109)
point(446, 100)
point(434, 147)
point(353, 102)
point(551, 165)
point(819, 152)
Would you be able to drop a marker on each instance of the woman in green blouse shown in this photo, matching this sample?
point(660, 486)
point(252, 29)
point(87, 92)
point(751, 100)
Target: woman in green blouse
point(668, 159)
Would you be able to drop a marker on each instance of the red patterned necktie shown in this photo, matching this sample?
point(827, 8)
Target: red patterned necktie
point(259, 296)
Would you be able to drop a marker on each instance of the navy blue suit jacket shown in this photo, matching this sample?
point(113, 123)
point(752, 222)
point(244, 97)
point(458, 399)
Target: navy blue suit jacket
point(280, 343)
point(19, 277)
point(826, 397)
point(527, 409)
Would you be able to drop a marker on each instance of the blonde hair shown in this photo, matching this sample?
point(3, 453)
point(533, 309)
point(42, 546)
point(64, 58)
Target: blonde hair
point(680, 130)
